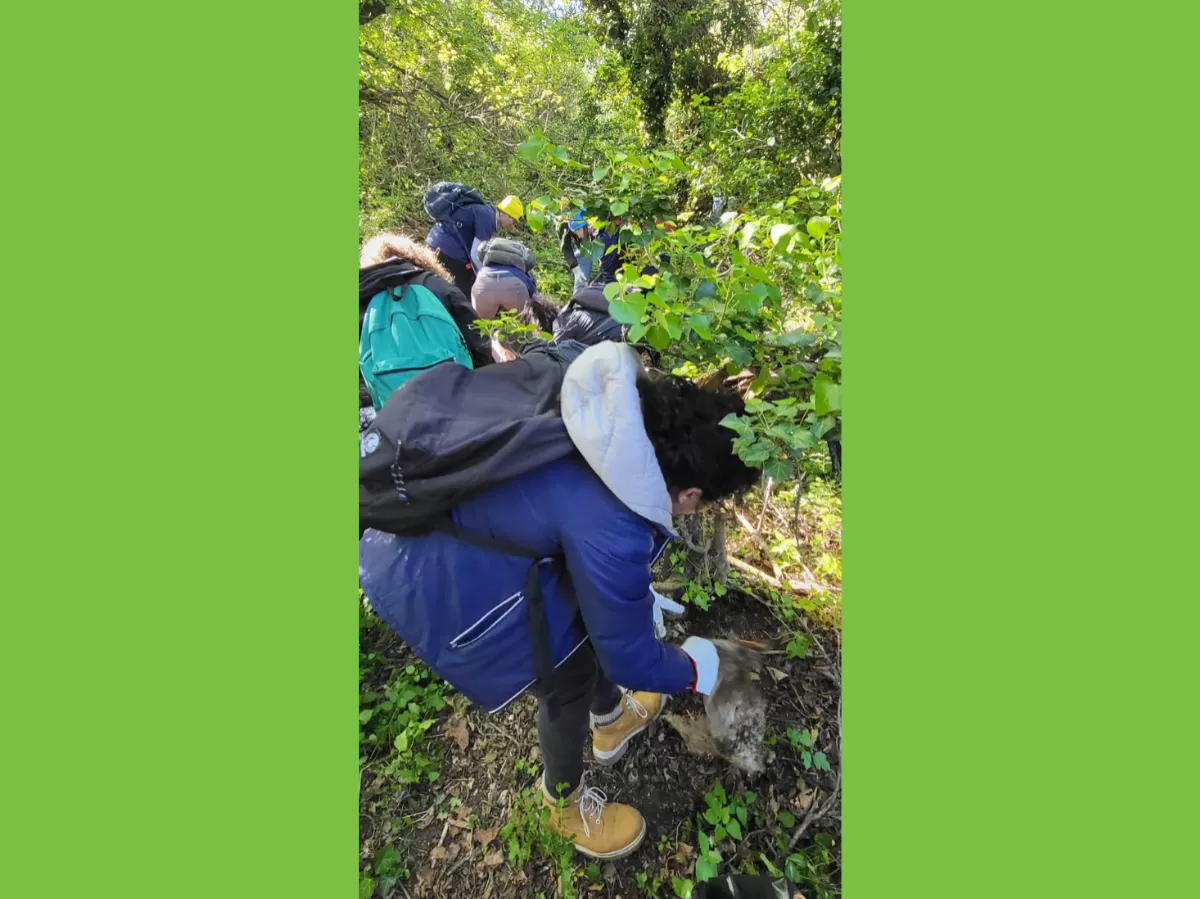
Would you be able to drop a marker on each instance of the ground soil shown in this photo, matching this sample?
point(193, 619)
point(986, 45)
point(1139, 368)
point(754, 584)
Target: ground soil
point(457, 854)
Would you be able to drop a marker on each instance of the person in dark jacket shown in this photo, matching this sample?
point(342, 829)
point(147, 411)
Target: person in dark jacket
point(646, 450)
point(457, 241)
point(390, 259)
point(585, 318)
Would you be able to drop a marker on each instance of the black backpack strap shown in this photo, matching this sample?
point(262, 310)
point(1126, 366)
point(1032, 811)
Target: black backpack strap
point(539, 629)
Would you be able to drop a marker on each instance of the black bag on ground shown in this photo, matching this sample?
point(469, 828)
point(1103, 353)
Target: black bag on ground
point(449, 434)
point(744, 886)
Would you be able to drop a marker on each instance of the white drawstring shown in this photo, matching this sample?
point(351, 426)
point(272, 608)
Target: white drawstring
point(591, 802)
point(636, 707)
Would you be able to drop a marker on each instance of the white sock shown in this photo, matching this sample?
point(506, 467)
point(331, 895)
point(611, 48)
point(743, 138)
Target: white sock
point(608, 718)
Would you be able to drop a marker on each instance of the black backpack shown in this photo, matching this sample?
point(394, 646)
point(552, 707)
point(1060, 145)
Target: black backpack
point(444, 197)
point(449, 434)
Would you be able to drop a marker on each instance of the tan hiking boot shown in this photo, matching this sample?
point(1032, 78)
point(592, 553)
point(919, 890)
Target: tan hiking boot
point(638, 711)
point(597, 827)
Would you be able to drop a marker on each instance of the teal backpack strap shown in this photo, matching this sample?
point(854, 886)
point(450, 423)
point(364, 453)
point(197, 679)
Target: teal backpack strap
point(406, 330)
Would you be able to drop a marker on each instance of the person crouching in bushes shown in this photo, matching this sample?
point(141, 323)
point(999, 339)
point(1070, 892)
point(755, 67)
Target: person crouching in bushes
point(585, 318)
point(646, 450)
point(505, 280)
point(391, 260)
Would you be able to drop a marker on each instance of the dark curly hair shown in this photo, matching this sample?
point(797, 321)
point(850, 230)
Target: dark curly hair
point(538, 311)
point(692, 447)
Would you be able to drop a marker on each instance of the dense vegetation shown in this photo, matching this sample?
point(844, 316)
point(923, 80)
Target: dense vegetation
point(647, 112)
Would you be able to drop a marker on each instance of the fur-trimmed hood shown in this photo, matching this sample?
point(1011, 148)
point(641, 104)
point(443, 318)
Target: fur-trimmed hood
point(388, 245)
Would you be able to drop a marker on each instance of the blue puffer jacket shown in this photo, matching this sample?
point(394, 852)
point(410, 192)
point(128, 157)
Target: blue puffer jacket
point(461, 609)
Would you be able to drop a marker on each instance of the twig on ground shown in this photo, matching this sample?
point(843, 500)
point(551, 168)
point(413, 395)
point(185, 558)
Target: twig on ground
point(814, 814)
point(762, 544)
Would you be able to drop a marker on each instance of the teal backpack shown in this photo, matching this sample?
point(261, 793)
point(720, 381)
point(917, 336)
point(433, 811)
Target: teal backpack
point(405, 331)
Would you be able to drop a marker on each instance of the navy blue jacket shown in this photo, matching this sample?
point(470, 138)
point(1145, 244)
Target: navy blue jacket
point(461, 608)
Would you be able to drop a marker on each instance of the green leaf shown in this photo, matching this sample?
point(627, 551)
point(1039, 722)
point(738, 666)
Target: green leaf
point(712, 816)
point(780, 231)
point(599, 173)
point(537, 219)
point(682, 887)
point(366, 887)
point(674, 325)
point(658, 337)
point(612, 289)
point(748, 233)
point(734, 828)
point(779, 470)
point(619, 208)
point(775, 872)
point(806, 759)
point(787, 819)
point(699, 324)
point(628, 311)
point(820, 762)
point(827, 395)
point(637, 332)
point(818, 225)
point(402, 741)
point(531, 149)
point(736, 423)
point(560, 153)
point(719, 833)
point(705, 870)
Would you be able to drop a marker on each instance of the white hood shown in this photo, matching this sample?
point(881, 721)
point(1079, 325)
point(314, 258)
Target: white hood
point(603, 414)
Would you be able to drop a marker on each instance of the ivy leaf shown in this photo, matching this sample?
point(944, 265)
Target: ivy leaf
point(818, 225)
point(619, 208)
point(627, 311)
point(612, 289)
point(827, 395)
point(699, 324)
point(736, 423)
point(779, 470)
point(537, 219)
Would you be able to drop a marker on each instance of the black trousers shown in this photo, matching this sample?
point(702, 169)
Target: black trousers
point(462, 272)
point(582, 688)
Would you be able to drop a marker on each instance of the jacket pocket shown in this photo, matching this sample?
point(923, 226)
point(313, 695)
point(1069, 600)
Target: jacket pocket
point(488, 621)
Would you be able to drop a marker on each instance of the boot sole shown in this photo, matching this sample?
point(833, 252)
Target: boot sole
point(612, 756)
point(617, 853)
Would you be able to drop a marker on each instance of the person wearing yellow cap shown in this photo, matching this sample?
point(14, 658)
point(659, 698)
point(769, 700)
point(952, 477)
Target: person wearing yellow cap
point(462, 223)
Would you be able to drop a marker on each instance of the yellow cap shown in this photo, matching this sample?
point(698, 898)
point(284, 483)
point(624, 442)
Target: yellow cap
point(511, 206)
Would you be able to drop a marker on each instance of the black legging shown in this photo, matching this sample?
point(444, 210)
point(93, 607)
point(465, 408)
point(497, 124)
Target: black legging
point(462, 272)
point(582, 688)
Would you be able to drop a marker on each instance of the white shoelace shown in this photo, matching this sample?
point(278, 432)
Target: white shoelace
point(636, 707)
point(591, 802)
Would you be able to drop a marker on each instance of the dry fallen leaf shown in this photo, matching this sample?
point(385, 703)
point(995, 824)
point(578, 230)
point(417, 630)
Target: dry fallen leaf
point(485, 835)
point(804, 801)
point(458, 732)
point(777, 674)
point(437, 853)
point(492, 859)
